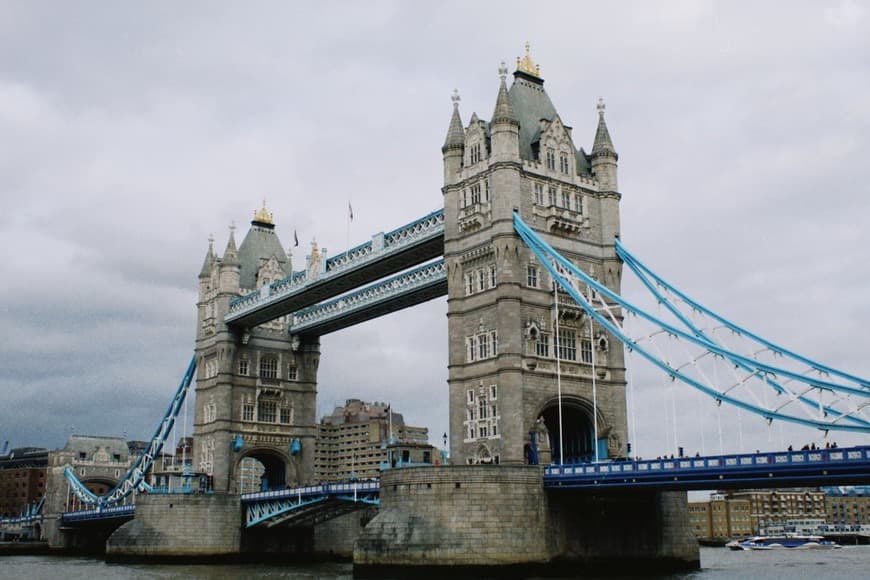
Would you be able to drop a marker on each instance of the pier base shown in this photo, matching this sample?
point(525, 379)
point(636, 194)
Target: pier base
point(499, 520)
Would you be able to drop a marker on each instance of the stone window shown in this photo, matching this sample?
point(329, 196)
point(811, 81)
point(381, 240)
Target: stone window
point(292, 373)
point(481, 413)
point(551, 194)
point(247, 412)
point(586, 349)
point(492, 277)
point(567, 345)
point(481, 280)
point(578, 203)
point(486, 190)
point(532, 276)
point(475, 193)
point(539, 194)
point(542, 345)
point(475, 153)
point(566, 199)
point(469, 283)
point(243, 366)
point(269, 367)
point(481, 346)
point(286, 415)
point(551, 158)
point(563, 163)
point(266, 411)
point(493, 392)
point(471, 395)
point(483, 342)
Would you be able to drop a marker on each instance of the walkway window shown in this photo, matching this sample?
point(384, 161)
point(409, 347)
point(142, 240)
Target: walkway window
point(269, 367)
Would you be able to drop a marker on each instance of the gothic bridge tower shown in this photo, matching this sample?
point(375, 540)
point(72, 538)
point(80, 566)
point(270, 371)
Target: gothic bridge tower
point(256, 387)
point(501, 309)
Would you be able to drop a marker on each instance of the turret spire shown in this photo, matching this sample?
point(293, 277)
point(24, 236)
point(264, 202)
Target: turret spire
point(603, 145)
point(504, 113)
point(205, 272)
point(231, 254)
point(455, 133)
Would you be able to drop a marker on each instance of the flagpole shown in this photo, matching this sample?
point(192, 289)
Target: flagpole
point(347, 236)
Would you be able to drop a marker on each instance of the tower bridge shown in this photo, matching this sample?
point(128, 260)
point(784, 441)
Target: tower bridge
point(527, 251)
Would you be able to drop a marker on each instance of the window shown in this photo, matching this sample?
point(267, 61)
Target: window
point(266, 411)
point(578, 203)
point(563, 163)
point(268, 367)
point(286, 415)
point(471, 395)
point(243, 366)
point(475, 153)
point(481, 280)
point(566, 199)
point(551, 193)
point(481, 413)
point(483, 342)
point(539, 194)
point(551, 159)
point(532, 276)
point(481, 346)
point(492, 277)
point(567, 345)
point(469, 283)
point(493, 393)
point(475, 193)
point(586, 350)
point(486, 186)
point(247, 412)
point(471, 348)
point(542, 345)
point(292, 373)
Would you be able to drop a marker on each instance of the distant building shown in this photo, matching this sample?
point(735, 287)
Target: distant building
point(720, 518)
point(847, 505)
point(359, 438)
point(740, 513)
point(22, 479)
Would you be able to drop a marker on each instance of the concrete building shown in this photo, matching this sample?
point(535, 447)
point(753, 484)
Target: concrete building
point(359, 438)
point(22, 479)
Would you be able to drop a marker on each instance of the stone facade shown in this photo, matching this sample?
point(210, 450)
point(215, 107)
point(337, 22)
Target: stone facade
point(179, 527)
point(255, 388)
point(501, 312)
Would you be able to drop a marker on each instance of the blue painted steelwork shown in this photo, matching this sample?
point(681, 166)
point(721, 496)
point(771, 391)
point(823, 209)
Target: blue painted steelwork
point(392, 288)
point(261, 507)
point(640, 269)
point(31, 513)
point(559, 268)
point(135, 476)
point(770, 469)
point(430, 226)
point(98, 513)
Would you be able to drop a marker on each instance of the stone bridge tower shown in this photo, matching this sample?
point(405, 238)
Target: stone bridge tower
point(255, 387)
point(501, 308)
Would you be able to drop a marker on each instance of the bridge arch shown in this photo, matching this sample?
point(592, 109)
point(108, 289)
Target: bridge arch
point(262, 468)
point(578, 428)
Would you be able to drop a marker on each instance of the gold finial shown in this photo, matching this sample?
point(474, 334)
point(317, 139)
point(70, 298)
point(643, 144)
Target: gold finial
point(526, 65)
point(263, 216)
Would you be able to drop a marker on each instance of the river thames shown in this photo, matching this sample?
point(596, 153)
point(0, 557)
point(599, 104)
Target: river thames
point(851, 562)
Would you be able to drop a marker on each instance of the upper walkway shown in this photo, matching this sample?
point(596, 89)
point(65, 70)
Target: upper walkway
point(386, 254)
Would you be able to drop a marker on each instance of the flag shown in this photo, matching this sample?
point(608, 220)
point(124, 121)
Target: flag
point(349, 211)
point(295, 238)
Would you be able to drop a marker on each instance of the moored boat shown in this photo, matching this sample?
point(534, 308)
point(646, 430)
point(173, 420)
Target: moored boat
point(787, 541)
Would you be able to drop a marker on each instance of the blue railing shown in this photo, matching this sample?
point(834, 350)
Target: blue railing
point(770, 469)
point(326, 489)
point(100, 513)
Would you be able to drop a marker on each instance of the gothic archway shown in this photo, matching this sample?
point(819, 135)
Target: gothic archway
point(577, 433)
point(261, 470)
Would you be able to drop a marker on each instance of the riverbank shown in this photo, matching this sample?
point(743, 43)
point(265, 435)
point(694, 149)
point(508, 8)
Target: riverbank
point(23, 548)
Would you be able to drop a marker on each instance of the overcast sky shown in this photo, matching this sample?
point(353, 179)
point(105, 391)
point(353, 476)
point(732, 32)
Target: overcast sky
point(129, 133)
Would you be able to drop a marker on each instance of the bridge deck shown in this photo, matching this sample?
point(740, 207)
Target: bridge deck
point(838, 466)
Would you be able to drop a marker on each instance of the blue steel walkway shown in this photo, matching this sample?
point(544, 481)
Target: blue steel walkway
point(309, 504)
point(820, 467)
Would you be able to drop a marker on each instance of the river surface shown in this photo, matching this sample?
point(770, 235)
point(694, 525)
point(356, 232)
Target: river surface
point(848, 563)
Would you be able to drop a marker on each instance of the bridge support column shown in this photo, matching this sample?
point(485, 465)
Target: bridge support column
point(179, 527)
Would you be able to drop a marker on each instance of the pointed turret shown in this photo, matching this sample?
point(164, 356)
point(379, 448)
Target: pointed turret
point(604, 156)
point(230, 265)
point(505, 127)
point(207, 264)
point(454, 144)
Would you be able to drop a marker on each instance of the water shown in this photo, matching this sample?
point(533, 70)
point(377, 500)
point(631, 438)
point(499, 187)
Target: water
point(849, 563)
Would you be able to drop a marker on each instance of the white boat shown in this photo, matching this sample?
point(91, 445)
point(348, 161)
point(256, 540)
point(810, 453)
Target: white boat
point(785, 541)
